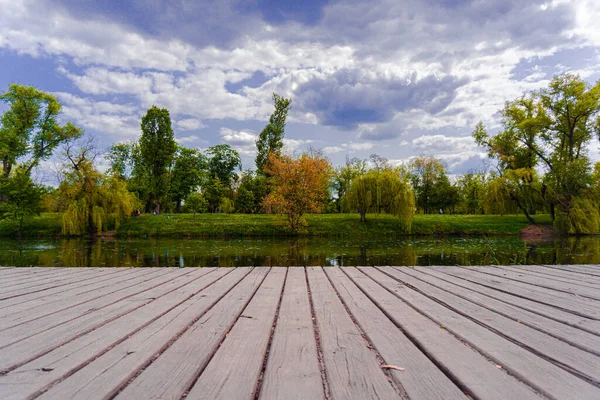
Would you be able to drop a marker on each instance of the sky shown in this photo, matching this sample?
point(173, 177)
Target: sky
point(399, 78)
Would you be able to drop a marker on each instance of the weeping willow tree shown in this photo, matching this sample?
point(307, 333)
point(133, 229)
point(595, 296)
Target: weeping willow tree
point(496, 197)
point(582, 218)
point(93, 201)
point(382, 191)
point(551, 130)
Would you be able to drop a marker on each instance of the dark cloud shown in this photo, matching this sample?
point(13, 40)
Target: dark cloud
point(350, 97)
point(203, 23)
point(443, 31)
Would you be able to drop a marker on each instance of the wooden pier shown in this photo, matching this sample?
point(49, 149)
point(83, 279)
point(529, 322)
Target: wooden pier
point(509, 332)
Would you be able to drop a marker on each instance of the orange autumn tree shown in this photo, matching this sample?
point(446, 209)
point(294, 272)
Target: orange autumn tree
point(299, 185)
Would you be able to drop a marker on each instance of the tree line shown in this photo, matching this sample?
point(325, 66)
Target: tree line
point(541, 156)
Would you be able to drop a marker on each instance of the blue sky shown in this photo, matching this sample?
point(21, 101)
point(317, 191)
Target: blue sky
point(396, 78)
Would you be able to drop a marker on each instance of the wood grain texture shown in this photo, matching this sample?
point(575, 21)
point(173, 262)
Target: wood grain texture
point(130, 351)
point(43, 284)
point(23, 312)
point(43, 278)
point(23, 331)
point(558, 352)
point(352, 369)
point(572, 335)
point(470, 369)
point(568, 302)
point(190, 354)
point(545, 310)
point(421, 378)
point(553, 273)
point(36, 345)
point(585, 269)
point(234, 370)
point(15, 304)
point(7, 280)
point(292, 370)
point(541, 374)
point(503, 332)
point(552, 285)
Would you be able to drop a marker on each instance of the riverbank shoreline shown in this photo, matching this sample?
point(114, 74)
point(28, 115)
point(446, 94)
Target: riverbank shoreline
point(48, 225)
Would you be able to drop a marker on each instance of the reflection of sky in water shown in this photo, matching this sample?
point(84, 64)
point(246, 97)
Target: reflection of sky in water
point(39, 246)
point(311, 251)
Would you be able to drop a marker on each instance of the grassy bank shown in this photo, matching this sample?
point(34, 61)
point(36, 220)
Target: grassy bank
point(326, 225)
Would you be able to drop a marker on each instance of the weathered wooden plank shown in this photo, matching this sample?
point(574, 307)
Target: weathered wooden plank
point(421, 378)
point(104, 352)
point(568, 302)
point(575, 360)
point(541, 374)
point(569, 334)
point(72, 297)
point(188, 356)
point(22, 331)
point(50, 275)
point(547, 311)
point(556, 274)
point(25, 274)
point(25, 313)
point(100, 363)
point(59, 292)
point(352, 369)
point(48, 279)
point(589, 269)
point(244, 348)
point(554, 286)
point(50, 284)
point(479, 377)
point(9, 272)
point(37, 345)
point(292, 370)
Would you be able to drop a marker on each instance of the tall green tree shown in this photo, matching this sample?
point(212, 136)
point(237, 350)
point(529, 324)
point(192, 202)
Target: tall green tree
point(430, 183)
point(446, 195)
point(251, 193)
point(120, 157)
point(223, 162)
point(188, 173)
point(517, 150)
point(214, 191)
point(244, 200)
point(471, 188)
point(29, 129)
point(23, 197)
point(270, 139)
point(552, 128)
point(29, 133)
point(195, 203)
point(157, 148)
point(343, 177)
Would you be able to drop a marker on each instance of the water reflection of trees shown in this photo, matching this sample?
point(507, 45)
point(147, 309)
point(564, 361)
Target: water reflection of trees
point(301, 252)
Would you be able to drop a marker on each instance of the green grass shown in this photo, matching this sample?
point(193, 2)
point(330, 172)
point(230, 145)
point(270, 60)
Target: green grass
point(473, 224)
point(46, 225)
point(324, 225)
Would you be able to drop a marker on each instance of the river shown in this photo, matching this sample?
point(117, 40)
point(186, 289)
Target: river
point(298, 252)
